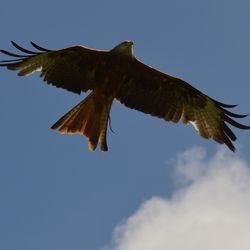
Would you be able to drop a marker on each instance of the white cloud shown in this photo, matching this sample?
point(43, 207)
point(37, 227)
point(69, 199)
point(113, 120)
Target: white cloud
point(211, 210)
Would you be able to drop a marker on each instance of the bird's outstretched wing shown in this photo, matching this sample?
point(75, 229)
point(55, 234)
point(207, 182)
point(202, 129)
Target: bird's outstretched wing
point(72, 68)
point(155, 93)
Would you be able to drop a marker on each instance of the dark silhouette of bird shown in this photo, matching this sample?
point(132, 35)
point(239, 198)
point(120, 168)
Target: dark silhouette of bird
point(117, 74)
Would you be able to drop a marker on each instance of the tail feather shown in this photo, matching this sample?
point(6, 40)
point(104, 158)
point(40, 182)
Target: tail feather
point(88, 118)
point(103, 132)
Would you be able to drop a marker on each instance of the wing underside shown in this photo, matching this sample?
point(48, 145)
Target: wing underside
point(72, 68)
point(172, 99)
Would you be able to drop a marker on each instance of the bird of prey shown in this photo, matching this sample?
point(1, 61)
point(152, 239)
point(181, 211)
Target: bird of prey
point(118, 74)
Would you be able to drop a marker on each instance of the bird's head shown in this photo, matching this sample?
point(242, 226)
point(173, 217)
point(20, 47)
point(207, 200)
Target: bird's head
point(125, 48)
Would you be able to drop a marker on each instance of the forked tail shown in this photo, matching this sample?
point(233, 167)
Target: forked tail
point(88, 118)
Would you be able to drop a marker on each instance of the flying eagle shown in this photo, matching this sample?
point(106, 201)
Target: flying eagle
point(118, 74)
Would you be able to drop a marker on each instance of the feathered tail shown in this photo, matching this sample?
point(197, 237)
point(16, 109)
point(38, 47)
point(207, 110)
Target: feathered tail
point(88, 118)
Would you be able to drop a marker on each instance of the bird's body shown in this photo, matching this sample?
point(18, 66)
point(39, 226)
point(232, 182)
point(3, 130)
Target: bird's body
point(117, 74)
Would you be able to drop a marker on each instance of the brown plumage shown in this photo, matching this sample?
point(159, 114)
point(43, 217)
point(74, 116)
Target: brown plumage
point(117, 74)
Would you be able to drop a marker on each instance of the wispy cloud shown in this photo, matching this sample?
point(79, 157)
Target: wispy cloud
point(211, 210)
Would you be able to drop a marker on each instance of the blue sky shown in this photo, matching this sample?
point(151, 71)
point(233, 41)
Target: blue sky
point(54, 192)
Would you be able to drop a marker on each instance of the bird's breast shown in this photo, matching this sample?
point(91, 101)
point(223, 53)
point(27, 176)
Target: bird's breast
point(112, 76)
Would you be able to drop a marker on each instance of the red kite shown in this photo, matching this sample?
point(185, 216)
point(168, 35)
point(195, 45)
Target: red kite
point(118, 74)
